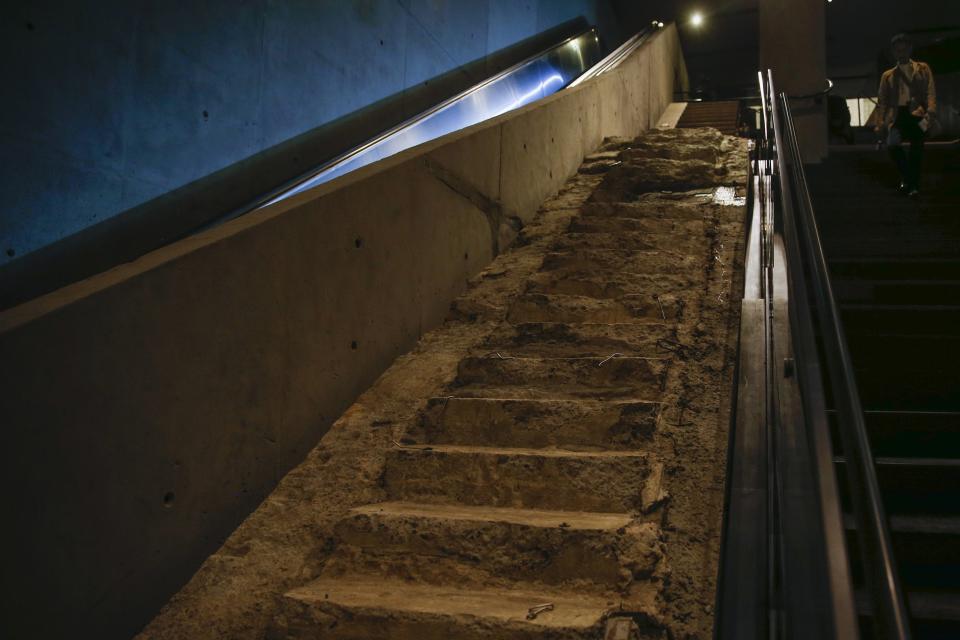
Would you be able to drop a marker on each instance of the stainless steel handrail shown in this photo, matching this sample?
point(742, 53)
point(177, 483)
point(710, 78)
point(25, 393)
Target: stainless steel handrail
point(805, 254)
point(507, 90)
point(892, 618)
point(763, 102)
point(817, 94)
point(833, 557)
point(615, 57)
point(340, 163)
point(584, 46)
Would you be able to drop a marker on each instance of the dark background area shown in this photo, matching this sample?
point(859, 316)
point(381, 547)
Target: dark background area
point(722, 55)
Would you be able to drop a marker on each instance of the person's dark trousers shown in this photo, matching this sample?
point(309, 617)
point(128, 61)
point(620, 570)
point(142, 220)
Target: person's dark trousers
point(906, 129)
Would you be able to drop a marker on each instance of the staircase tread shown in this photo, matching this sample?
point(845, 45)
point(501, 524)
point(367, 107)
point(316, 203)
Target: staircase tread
point(886, 261)
point(933, 524)
point(891, 461)
point(551, 452)
point(585, 403)
point(571, 520)
point(493, 358)
point(571, 609)
point(925, 605)
point(891, 412)
point(852, 306)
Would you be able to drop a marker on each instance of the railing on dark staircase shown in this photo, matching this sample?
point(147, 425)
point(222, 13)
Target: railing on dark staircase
point(785, 569)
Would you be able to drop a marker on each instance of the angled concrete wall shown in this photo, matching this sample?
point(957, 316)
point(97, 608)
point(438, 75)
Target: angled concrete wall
point(118, 102)
point(147, 410)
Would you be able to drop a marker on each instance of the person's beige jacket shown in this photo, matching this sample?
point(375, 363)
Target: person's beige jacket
point(921, 89)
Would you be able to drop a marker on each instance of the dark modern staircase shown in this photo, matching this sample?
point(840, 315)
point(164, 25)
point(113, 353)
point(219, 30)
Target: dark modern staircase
point(895, 267)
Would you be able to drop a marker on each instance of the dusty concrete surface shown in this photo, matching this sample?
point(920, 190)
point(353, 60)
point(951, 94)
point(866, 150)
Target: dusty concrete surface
point(560, 439)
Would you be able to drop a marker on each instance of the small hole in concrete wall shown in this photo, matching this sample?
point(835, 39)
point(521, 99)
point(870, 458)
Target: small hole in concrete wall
point(466, 256)
point(381, 43)
point(168, 499)
point(205, 114)
point(353, 345)
point(551, 174)
point(30, 26)
point(358, 243)
point(11, 253)
point(524, 146)
point(551, 139)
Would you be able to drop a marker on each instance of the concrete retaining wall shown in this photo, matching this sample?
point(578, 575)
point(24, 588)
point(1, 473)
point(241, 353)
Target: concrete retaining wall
point(147, 410)
point(116, 104)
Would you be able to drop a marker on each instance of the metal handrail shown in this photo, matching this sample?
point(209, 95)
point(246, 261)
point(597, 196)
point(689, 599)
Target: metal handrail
point(817, 94)
point(763, 103)
point(615, 57)
point(785, 568)
point(297, 183)
point(805, 249)
point(832, 553)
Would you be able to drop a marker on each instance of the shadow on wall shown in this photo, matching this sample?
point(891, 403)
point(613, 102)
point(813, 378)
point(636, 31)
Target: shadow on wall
point(181, 212)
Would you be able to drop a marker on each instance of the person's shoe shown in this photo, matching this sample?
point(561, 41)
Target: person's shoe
point(903, 188)
point(913, 193)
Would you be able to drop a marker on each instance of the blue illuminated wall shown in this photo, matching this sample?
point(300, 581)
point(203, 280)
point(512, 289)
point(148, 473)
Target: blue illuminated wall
point(110, 104)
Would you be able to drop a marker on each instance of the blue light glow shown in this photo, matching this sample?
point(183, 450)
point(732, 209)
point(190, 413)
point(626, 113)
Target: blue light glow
point(519, 86)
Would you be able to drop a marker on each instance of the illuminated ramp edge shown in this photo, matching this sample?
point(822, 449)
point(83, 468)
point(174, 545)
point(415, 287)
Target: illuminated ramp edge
point(537, 77)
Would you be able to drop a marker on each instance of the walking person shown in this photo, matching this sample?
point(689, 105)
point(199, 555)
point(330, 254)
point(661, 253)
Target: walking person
point(907, 102)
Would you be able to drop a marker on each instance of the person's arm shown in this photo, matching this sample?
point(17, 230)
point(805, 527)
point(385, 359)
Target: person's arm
point(931, 92)
point(881, 104)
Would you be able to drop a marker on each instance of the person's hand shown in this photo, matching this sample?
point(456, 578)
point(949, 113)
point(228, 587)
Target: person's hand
point(919, 112)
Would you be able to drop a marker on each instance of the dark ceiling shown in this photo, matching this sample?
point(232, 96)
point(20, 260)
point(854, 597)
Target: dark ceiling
point(722, 55)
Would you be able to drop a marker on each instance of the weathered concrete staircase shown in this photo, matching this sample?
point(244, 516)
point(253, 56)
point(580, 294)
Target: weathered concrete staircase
point(528, 498)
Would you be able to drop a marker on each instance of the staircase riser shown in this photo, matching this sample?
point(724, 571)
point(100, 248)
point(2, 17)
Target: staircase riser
point(538, 424)
point(521, 481)
point(442, 551)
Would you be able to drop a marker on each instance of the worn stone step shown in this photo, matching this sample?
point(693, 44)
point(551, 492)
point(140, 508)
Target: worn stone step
point(627, 240)
point(705, 137)
point(571, 309)
point(595, 261)
point(660, 207)
point(537, 423)
point(560, 479)
point(459, 544)
point(641, 150)
point(616, 285)
point(561, 340)
point(663, 227)
point(628, 179)
point(606, 377)
point(587, 224)
point(374, 608)
point(613, 154)
point(720, 204)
